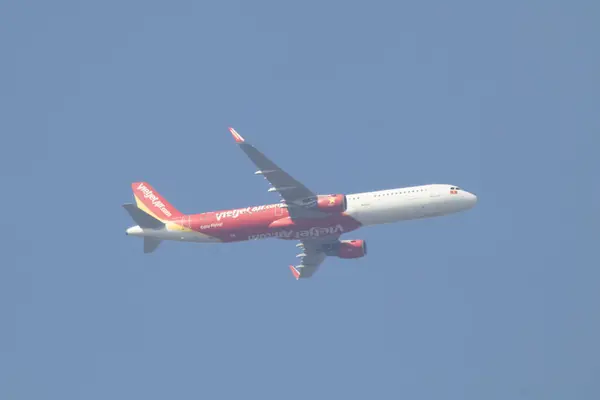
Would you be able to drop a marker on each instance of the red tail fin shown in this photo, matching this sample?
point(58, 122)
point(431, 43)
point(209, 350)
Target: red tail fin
point(153, 203)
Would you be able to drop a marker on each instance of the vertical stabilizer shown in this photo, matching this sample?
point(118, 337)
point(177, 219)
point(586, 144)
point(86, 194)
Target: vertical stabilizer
point(150, 201)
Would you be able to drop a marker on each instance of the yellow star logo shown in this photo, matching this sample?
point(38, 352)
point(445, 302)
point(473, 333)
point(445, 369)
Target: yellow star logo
point(332, 201)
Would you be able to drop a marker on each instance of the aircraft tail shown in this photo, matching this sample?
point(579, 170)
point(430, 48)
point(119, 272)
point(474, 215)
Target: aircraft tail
point(151, 202)
point(146, 221)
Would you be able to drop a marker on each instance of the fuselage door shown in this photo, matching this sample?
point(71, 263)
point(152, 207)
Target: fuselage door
point(279, 211)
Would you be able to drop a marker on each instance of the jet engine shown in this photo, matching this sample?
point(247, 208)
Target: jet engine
point(330, 203)
point(333, 203)
point(352, 249)
point(346, 249)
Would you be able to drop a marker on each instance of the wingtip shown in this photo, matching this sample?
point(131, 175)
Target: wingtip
point(238, 138)
point(295, 272)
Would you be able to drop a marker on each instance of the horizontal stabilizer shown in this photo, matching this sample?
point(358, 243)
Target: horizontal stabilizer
point(141, 218)
point(150, 244)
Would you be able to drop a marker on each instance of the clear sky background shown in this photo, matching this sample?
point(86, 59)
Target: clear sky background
point(500, 98)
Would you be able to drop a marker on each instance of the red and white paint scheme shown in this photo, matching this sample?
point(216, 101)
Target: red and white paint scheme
point(315, 221)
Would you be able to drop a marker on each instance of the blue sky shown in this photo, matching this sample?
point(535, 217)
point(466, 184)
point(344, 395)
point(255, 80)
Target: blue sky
point(500, 98)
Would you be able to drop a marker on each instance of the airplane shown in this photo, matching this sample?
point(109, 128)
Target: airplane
point(316, 221)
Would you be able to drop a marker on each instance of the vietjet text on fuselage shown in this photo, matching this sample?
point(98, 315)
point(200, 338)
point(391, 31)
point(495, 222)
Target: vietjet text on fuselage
point(315, 221)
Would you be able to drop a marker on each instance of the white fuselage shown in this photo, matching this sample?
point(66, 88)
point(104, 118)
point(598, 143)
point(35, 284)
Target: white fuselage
point(401, 204)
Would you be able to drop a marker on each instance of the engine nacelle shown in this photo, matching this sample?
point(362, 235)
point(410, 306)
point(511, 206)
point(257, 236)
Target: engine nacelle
point(333, 203)
point(352, 249)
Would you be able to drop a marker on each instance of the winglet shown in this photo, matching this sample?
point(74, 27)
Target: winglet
point(238, 138)
point(295, 272)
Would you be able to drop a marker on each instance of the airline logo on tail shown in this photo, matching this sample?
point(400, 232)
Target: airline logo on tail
point(149, 194)
point(149, 200)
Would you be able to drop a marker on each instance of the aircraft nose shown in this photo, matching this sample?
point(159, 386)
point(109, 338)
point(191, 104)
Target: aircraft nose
point(471, 198)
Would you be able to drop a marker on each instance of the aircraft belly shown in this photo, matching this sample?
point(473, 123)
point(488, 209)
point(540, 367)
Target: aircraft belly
point(178, 235)
point(393, 211)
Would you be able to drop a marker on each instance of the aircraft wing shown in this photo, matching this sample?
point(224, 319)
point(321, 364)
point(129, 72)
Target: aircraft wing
point(312, 256)
point(291, 191)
